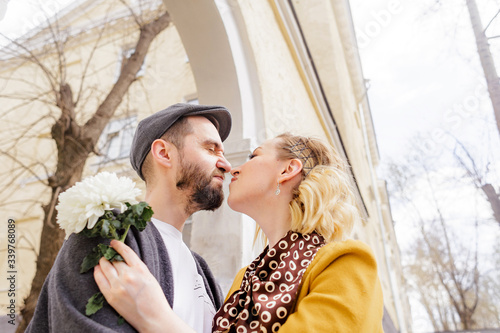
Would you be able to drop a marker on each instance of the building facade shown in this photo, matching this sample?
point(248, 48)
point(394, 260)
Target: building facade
point(277, 65)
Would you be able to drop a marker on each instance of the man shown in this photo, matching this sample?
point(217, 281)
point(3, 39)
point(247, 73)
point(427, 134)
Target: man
point(178, 152)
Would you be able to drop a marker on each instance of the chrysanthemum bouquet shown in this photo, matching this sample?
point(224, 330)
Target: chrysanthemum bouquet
point(104, 205)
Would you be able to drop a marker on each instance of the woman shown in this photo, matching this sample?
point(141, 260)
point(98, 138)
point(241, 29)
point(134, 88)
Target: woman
point(308, 279)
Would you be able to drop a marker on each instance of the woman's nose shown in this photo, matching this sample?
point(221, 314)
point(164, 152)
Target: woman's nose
point(235, 172)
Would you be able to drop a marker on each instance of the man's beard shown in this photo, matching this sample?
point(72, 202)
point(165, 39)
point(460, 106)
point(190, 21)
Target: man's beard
point(204, 196)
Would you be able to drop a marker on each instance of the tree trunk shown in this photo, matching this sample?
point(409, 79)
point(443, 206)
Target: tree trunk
point(74, 144)
point(493, 199)
point(490, 73)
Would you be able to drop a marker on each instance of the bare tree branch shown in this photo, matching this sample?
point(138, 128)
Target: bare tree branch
point(87, 64)
point(72, 120)
point(127, 76)
point(137, 19)
point(478, 179)
point(22, 165)
point(439, 256)
point(33, 58)
point(491, 21)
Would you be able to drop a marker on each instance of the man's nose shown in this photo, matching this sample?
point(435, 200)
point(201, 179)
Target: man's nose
point(223, 164)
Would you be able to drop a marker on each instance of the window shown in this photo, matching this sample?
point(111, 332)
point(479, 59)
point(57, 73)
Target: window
point(116, 139)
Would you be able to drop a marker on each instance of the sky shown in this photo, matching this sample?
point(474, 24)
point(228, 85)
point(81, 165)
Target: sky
point(425, 76)
point(17, 17)
point(422, 65)
point(425, 79)
point(423, 70)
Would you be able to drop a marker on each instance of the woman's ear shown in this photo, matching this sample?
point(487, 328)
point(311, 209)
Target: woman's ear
point(163, 152)
point(292, 169)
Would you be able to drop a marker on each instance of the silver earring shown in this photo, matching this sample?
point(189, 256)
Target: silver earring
point(277, 190)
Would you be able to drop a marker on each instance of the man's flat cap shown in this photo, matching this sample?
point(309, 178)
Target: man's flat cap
point(154, 126)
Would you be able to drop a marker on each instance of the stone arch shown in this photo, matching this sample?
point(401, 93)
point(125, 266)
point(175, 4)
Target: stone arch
point(214, 37)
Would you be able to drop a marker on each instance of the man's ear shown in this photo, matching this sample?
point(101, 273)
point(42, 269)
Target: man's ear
point(163, 152)
point(292, 169)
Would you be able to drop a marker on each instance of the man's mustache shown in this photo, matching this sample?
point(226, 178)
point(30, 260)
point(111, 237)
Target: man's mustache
point(219, 173)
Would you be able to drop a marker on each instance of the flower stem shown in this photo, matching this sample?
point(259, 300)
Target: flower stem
point(122, 239)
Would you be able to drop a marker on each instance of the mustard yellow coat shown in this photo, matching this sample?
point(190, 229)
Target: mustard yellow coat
point(340, 292)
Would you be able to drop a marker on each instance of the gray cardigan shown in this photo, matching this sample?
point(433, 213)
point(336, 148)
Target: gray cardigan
point(61, 305)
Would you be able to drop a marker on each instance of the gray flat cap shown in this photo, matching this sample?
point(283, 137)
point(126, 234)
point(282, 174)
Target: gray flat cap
point(154, 126)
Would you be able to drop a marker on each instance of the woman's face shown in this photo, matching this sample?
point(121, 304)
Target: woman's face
point(254, 183)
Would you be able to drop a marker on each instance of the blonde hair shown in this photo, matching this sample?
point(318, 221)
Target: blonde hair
point(324, 200)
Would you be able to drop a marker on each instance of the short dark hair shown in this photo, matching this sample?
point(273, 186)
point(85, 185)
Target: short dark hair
point(175, 135)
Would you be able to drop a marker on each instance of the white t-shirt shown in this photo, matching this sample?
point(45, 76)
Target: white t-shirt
point(191, 301)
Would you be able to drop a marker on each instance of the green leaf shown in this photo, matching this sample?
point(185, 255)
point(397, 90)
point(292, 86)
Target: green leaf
point(148, 214)
point(94, 232)
point(141, 215)
point(94, 304)
point(138, 208)
point(107, 251)
point(114, 234)
point(129, 220)
point(105, 228)
point(91, 260)
point(101, 250)
point(116, 223)
point(121, 320)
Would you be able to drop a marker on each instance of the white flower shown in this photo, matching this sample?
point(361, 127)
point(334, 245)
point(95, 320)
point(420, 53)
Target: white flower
point(82, 204)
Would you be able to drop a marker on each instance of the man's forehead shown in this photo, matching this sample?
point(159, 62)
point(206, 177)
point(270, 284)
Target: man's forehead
point(203, 121)
point(204, 132)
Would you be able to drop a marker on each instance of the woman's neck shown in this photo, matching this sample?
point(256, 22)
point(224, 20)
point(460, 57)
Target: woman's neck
point(275, 221)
